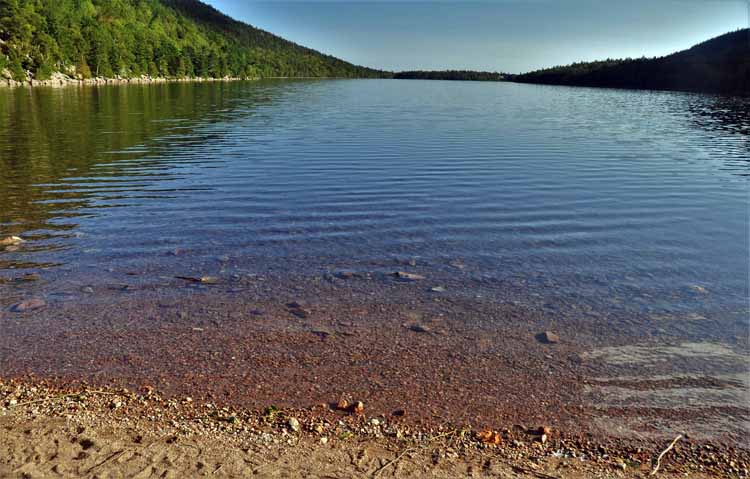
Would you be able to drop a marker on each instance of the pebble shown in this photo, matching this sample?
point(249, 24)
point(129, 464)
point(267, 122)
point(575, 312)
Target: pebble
point(324, 440)
point(29, 305)
point(375, 422)
point(294, 424)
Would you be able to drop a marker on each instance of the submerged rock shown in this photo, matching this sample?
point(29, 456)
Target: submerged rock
point(322, 331)
point(548, 337)
point(11, 241)
point(407, 276)
point(420, 328)
point(28, 305)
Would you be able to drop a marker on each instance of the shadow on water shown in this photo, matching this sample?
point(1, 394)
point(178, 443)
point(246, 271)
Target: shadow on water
point(63, 151)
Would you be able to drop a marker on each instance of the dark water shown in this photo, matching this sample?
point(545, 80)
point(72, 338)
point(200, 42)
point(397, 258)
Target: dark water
point(627, 200)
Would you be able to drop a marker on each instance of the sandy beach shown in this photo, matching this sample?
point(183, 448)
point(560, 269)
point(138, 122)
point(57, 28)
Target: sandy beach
point(86, 432)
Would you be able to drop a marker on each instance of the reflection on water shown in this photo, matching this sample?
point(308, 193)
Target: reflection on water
point(632, 201)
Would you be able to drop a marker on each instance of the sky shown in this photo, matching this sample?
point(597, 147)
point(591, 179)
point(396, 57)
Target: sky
point(495, 35)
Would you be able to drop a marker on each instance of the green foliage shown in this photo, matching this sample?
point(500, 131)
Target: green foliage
point(170, 38)
point(17, 71)
point(43, 71)
point(82, 68)
point(721, 64)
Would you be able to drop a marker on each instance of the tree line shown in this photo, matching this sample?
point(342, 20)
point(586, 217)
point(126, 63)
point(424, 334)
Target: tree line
point(159, 38)
point(720, 65)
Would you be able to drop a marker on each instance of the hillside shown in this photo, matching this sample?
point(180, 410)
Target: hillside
point(159, 38)
point(720, 65)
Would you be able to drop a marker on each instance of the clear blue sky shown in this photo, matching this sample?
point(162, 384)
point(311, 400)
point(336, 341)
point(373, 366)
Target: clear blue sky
point(498, 35)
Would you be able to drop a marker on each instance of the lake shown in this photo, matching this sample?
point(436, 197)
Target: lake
point(628, 208)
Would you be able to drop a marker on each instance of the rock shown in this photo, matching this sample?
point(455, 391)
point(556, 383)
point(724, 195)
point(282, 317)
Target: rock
point(29, 305)
point(698, 289)
point(548, 337)
point(322, 331)
point(300, 313)
point(407, 276)
point(458, 264)
point(324, 440)
point(375, 422)
point(11, 241)
point(87, 290)
point(342, 405)
point(294, 424)
point(420, 328)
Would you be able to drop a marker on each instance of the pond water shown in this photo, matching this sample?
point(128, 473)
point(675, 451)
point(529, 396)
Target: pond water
point(623, 200)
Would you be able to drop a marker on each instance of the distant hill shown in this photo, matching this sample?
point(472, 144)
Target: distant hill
point(719, 65)
point(460, 75)
point(160, 38)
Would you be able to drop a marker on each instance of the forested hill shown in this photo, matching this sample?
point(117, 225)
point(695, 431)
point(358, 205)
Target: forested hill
point(159, 38)
point(720, 65)
point(458, 75)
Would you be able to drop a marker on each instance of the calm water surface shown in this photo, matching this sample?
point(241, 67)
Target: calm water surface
point(625, 200)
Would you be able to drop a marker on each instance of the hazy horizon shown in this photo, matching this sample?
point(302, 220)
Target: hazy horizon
point(505, 35)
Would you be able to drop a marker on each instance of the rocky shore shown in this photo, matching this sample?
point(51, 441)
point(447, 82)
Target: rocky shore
point(60, 80)
point(107, 432)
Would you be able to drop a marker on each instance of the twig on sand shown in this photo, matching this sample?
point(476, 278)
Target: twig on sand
point(392, 461)
point(665, 451)
point(109, 458)
point(541, 475)
point(63, 396)
point(407, 451)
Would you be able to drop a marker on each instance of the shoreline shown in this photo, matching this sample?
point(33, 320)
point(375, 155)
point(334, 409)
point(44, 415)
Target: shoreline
point(115, 430)
point(439, 357)
point(60, 80)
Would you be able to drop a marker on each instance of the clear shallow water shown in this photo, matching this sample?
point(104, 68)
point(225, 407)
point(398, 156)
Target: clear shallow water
point(624, 200)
